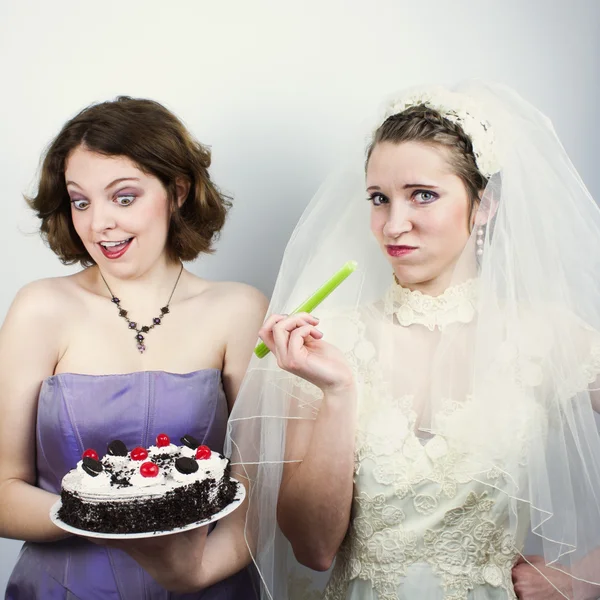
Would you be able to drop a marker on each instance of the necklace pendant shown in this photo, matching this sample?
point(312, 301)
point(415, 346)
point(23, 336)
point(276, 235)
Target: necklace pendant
point(139, 338)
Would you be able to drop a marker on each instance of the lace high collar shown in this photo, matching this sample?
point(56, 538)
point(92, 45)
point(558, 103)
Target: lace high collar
point(456, 305)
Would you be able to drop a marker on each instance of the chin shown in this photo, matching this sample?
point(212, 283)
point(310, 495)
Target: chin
point(414, 275)
point(120, 269)
point(409, 273)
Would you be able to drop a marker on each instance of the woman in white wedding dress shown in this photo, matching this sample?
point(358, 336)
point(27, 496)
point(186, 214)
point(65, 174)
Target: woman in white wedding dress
point(441, 407)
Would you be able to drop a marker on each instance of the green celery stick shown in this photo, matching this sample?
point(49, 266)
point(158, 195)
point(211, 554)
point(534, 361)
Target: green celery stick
point(309, 305)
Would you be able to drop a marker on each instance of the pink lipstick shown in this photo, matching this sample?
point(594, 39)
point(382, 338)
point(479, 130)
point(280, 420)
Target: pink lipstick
point(114, 251)
point(400, 250)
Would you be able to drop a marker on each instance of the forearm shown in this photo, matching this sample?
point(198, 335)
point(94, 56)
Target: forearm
point(190, 561)
point(24, 513)
point(315, 503)
point(225, 554)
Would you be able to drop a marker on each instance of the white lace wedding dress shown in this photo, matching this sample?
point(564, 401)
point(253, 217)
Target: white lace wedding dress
point(434, 515)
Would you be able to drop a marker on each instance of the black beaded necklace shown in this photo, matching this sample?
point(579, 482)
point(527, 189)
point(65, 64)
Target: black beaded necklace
point(140, 331)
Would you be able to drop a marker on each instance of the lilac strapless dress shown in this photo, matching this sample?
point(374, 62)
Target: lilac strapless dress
point(76, 412)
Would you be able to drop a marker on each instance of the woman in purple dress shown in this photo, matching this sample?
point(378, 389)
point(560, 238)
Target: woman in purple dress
point(131, 346)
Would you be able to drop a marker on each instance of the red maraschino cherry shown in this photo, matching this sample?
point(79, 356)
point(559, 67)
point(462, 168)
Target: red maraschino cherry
point(203, 452)
point(162, 440)
point(139, 453)
point(148, 469)
point(90, 453)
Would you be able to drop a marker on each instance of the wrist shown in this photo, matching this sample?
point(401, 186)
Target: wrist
point(345, 391)
point(191, 581)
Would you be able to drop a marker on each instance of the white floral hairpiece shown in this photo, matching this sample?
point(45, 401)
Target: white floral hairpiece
point(459, 109)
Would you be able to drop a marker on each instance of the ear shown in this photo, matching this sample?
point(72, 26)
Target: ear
point(182, 187)
point(484, 211)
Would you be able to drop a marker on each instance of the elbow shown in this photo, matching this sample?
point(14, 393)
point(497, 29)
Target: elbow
point(317, 561)
point(310, 550)
point(311, 553)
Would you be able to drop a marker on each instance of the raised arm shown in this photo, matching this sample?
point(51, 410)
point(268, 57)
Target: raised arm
point(30, 343)
point(315, 496)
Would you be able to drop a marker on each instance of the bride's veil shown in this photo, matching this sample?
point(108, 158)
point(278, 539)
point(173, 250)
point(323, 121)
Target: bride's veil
point(511, 387)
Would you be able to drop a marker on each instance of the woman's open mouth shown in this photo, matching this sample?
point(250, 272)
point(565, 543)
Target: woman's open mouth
point(114, 250)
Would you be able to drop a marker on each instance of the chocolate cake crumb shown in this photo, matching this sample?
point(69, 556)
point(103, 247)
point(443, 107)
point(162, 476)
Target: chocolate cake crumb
point(176, 508)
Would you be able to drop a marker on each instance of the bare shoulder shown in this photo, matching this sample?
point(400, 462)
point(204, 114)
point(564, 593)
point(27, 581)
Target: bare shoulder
point(44, 299)
point(32, 336)
point(234, 299)
point(240, 297)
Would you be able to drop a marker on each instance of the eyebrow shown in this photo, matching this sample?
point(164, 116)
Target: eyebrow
point(408, 186)
point(111, 184)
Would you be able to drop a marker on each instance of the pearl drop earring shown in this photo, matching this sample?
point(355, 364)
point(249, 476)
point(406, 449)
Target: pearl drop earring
point(480, 234)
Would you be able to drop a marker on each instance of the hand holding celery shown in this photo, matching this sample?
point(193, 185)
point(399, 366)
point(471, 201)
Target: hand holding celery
point(311, 303)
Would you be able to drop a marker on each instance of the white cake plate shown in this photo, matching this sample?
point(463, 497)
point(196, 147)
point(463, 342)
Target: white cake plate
point(239, 498)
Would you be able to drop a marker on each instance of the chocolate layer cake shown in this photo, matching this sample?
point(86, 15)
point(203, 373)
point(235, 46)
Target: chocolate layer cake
point(146, 489)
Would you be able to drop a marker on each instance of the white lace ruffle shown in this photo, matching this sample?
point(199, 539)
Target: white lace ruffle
point(456, 305)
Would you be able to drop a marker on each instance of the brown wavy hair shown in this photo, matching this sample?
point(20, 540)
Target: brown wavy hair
point(160, 145)
point(426, 125)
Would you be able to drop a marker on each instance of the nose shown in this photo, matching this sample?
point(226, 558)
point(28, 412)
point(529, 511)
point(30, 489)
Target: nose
point(102, 218)
point(398, 220)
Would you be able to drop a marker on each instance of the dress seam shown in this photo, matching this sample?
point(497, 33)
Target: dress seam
point(216, 398)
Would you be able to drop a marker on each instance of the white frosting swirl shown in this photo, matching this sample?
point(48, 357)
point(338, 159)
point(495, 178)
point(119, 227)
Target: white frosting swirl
point(121, 479)
point(158, 450)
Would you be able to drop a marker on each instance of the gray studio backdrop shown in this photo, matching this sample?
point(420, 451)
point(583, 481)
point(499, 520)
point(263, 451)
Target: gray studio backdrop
point(278, 89)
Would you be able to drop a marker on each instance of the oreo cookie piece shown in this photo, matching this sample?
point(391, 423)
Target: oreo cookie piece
point(190, 441)
point(117, 448)
point(92, 466)
point(186, 465)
